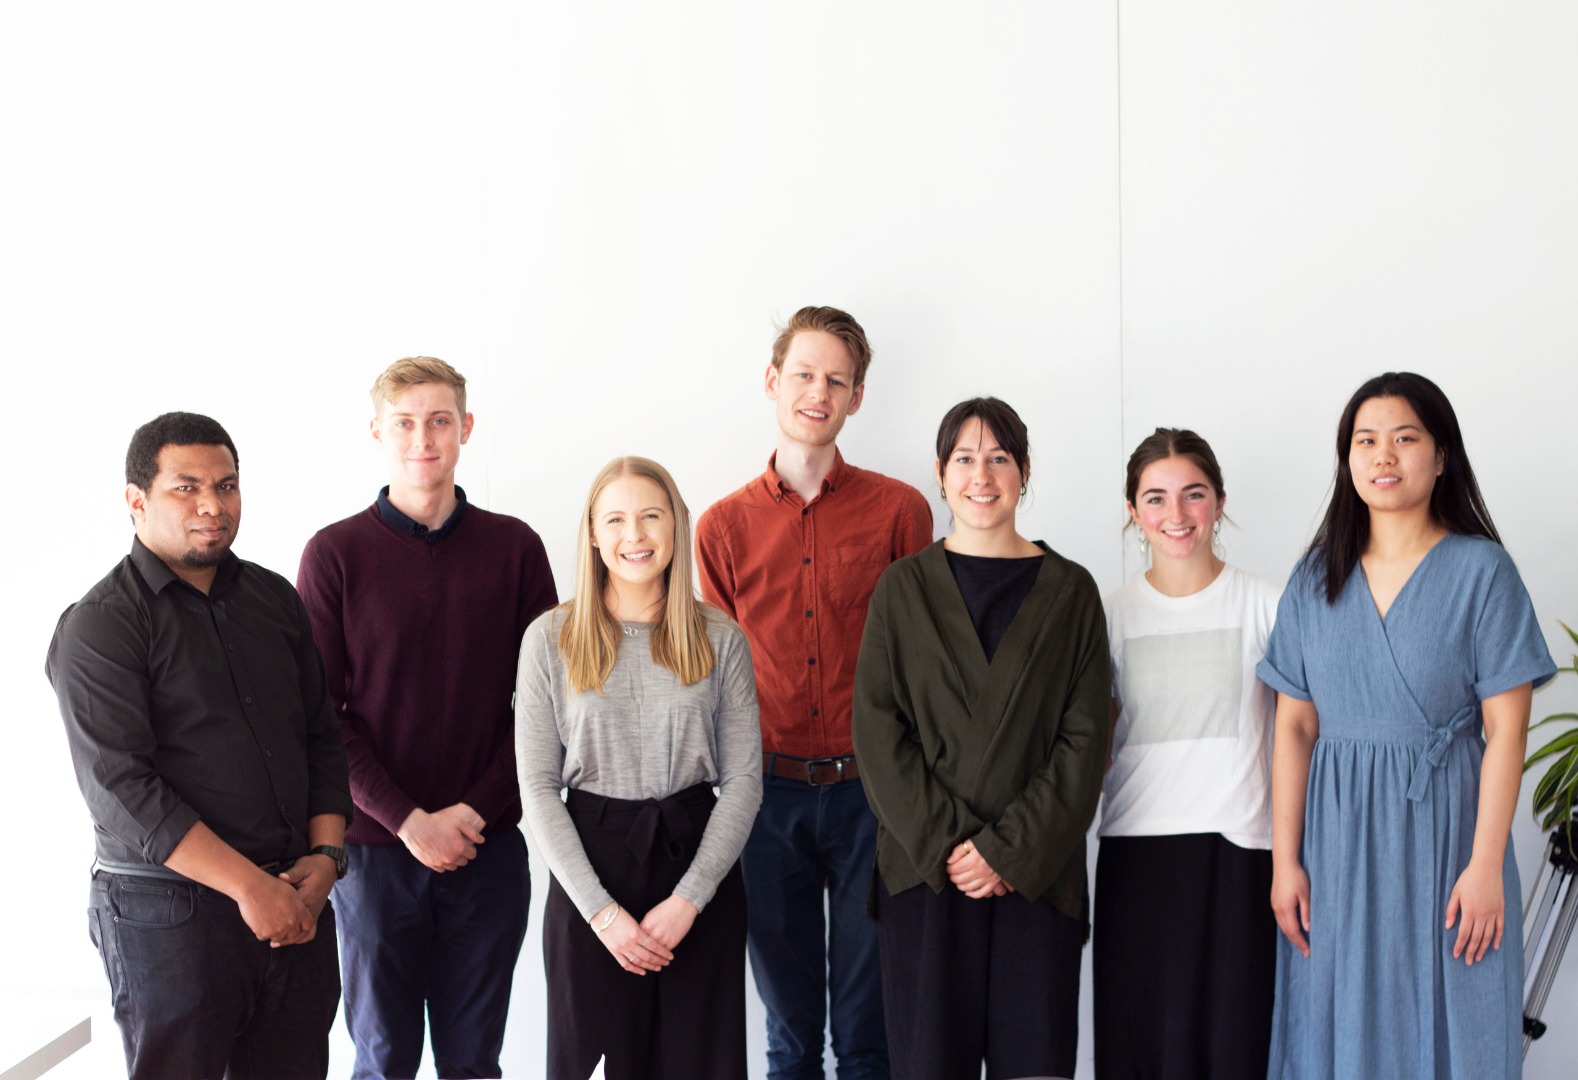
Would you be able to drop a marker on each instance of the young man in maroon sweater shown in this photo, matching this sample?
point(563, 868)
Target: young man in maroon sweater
point(793, 557)
point(418, 604)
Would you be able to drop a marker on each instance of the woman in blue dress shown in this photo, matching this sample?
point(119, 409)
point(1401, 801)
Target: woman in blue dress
point(1403, 636)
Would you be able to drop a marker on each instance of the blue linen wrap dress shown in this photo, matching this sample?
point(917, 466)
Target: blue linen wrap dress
point(1390, 815)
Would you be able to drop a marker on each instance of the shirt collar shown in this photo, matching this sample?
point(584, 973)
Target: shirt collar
point(157, 573)
point(777, 488)
point(399, 522)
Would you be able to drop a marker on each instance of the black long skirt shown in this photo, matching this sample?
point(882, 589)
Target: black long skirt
point(968, 981)
point(686, 1022)
point(1184, 959)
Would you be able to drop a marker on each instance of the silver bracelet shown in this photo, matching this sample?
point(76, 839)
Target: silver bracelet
point(608, 920)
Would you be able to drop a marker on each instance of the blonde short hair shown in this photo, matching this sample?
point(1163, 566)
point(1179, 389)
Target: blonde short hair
point(413, 371)
point(589, 638)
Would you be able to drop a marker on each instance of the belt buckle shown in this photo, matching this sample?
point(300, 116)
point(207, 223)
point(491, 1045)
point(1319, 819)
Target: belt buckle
point(811, 767)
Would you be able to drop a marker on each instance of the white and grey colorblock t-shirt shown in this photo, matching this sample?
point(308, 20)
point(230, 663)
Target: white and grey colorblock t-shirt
point(1191, 752)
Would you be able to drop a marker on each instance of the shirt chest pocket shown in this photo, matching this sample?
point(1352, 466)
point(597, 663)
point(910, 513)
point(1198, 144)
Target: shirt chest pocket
point(853, 577)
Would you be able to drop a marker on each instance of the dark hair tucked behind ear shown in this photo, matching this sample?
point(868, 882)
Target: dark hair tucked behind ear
point(997, 415)
point(171, 429)
point(1455, 503)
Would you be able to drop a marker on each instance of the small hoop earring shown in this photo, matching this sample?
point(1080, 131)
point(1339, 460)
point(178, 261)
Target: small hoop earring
point(1022, 489)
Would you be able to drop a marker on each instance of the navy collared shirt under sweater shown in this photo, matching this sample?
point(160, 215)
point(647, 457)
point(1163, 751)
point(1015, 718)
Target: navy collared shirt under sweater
point(420, 631)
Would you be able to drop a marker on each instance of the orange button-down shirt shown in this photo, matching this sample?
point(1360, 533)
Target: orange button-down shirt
point(798, 577)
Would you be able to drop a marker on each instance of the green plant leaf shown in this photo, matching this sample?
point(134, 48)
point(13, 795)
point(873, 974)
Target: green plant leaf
point(1554, 718)
point(1560, 791)
point(1555, 798)
point(1546, 791)
point(1565, 741)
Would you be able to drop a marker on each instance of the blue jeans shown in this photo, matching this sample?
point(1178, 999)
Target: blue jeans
point(414, 940)
point(197, 994)
point(807, 839)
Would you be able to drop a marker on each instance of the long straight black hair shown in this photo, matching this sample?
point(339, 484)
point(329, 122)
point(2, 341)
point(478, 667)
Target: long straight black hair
point(1455, 502)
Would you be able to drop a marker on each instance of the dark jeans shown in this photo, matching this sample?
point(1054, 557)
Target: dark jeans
point(197, 995)
point(413, 939)
point(807, 839)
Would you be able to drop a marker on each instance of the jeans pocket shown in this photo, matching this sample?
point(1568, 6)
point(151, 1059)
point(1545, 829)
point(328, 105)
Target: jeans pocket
point(152, 905)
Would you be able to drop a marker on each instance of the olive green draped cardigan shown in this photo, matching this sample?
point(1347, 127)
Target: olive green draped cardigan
point(1009, 753)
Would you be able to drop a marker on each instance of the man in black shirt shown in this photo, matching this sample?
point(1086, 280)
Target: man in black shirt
point(211, 762)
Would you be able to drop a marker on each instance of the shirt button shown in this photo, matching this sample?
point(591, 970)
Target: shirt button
point(232, 648)
point(808, 613)
point(807, 560)
point(268, 753)
point(804, 510)
point(247, 699)
point(812, 660)
point(816, 712)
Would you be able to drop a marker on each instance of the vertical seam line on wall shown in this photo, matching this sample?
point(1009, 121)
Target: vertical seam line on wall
point(487, 454)
point(1123, 435)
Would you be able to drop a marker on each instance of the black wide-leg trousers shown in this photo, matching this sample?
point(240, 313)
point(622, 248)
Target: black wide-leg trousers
point(966, 981)
point(686, 1022)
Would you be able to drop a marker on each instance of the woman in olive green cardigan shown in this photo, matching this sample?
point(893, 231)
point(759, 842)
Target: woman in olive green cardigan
point(982, 717)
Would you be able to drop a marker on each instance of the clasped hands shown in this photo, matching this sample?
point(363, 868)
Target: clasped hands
point(444, 840)
point(283, 909)
point(647, 945)
point(970, 874)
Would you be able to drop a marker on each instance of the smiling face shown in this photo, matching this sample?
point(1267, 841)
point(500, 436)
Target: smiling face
point(815, 390)
point(189, 515)
point(1176, 507)
point(981, 481)
point(633, 532)
point(1393, 459)
point(422, 430)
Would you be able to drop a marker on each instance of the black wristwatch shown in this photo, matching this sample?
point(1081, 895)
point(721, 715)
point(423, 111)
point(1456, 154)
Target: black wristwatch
point(342, 861)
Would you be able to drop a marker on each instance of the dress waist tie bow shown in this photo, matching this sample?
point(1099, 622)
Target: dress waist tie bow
point(1462, 723)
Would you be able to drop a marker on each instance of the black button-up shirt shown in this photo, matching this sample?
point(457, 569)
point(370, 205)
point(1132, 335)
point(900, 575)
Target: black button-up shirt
point(181, 708)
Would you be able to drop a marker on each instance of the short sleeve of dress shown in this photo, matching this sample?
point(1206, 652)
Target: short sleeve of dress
point(1509, 649)
point(1282, 668)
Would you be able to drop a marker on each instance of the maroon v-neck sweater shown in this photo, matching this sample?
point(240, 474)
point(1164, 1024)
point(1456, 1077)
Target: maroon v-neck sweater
point(419, 640)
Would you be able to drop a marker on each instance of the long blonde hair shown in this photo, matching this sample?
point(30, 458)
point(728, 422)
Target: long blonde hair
point(589, 638)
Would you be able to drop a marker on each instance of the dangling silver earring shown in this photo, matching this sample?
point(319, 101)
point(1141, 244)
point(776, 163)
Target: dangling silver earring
point(1145, 543)
point(1216, 539)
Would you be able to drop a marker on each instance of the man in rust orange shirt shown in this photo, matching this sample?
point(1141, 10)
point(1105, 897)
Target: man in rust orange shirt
point(793, 557)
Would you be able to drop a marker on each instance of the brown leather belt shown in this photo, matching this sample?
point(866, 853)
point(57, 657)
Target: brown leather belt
point(818, 772)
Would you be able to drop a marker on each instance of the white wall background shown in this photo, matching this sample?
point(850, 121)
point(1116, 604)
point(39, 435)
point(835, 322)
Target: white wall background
point(1222, 214)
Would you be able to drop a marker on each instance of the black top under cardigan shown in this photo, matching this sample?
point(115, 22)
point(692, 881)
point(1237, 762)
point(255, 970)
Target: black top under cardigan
point(1008, 752)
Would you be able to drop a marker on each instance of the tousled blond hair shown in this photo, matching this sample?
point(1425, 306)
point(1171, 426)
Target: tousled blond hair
point(589, 638)
point(414, 371)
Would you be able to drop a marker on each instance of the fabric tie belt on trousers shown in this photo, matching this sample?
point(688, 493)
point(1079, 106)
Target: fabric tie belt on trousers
point(665, 823)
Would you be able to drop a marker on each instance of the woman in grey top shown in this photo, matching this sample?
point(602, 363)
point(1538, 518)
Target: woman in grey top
point(640, 700)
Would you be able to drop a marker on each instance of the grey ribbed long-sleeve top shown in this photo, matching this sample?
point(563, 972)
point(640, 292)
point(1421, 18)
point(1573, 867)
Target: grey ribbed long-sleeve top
point(644, 737)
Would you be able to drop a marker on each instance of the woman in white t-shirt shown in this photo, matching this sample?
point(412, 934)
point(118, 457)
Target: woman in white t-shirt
point(1185, 941)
